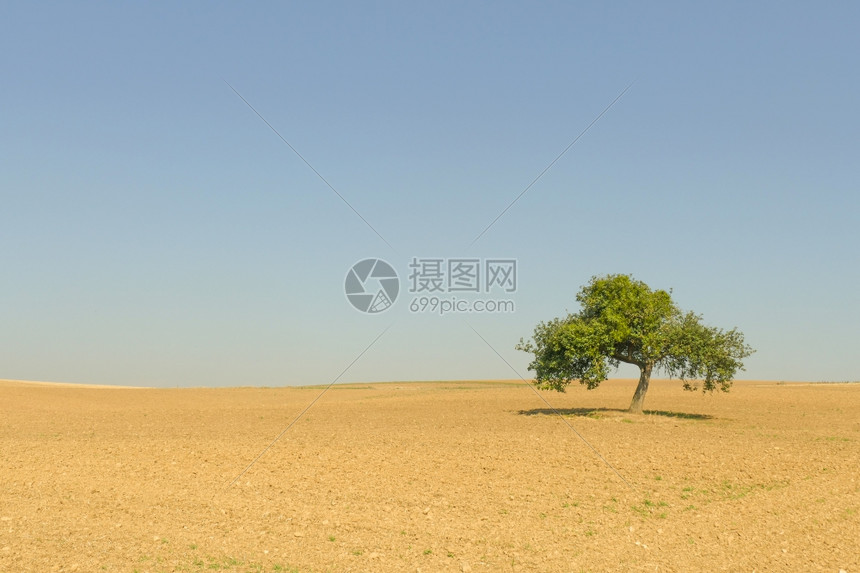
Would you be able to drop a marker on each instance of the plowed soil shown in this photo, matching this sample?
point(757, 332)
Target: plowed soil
point(469, 476)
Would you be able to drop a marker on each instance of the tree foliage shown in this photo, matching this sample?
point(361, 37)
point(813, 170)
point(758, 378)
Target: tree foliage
point(623, 320)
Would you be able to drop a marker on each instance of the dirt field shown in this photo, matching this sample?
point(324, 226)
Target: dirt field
point(429, 477)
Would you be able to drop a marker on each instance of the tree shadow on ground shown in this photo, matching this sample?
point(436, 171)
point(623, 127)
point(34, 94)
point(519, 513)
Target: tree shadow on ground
point(598, 412)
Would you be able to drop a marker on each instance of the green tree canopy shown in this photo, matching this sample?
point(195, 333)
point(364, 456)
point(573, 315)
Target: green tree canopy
point(623, 320)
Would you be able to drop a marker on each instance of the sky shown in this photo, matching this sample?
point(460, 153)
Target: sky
point(155, 230)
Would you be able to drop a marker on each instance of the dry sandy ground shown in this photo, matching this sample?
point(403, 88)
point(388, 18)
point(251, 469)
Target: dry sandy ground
point(429, 477)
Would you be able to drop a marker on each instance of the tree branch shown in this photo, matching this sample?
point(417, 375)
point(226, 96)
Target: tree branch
point(628, 359)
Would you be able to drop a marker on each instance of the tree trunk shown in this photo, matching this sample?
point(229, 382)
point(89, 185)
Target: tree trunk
point(641, 389)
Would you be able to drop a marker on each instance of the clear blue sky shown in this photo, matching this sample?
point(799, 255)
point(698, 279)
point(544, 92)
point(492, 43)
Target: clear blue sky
point(154, 231)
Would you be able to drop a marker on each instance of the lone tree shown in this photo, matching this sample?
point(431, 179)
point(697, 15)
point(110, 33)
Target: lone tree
point(623, 320)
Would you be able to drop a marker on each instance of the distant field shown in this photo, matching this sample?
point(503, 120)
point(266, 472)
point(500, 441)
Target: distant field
point(443, 476)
